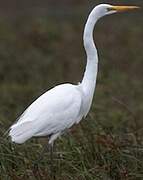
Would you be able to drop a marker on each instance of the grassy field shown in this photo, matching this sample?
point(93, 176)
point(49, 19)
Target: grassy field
point(108, 144)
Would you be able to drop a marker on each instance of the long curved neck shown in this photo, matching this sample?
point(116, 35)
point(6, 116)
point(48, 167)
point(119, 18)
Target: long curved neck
point(89, 79)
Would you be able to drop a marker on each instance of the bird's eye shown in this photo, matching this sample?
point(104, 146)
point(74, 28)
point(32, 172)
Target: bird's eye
point(109, 9)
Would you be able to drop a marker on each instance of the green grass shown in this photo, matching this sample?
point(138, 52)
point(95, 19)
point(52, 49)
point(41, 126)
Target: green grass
point(33, 58)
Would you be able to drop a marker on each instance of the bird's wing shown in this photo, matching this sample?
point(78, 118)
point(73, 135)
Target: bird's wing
point(52, 112)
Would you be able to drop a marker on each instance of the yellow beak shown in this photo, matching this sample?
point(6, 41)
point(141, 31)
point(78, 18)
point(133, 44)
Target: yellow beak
point(123, 8)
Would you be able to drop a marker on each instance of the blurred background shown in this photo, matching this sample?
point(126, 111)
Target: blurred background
point(40, 47)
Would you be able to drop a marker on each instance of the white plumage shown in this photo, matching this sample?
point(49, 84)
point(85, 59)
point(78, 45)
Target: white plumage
point(61, 107)
point(41, 119)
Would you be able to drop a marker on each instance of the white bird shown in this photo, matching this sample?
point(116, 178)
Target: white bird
point(66, 104)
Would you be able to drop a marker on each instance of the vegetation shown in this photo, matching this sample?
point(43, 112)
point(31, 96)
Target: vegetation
point(33, 58)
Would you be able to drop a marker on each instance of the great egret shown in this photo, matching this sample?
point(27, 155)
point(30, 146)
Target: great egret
point(64, 105)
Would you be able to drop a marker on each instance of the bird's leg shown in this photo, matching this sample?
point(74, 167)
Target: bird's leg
point(51, 144)
point(51, 153)
point(52, 172)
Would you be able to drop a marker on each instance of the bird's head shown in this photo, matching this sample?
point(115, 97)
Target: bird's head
point(106, 9)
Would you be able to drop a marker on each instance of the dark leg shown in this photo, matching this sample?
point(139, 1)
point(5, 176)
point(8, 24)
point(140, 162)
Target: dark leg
point(52, 170)
point(51, 144)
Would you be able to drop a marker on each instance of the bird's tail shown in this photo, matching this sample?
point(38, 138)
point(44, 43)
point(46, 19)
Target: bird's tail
point(22, 131)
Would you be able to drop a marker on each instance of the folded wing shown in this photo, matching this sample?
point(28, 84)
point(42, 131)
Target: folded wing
point(53, 112)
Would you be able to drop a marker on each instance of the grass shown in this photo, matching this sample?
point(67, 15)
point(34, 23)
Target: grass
point(33, 58)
